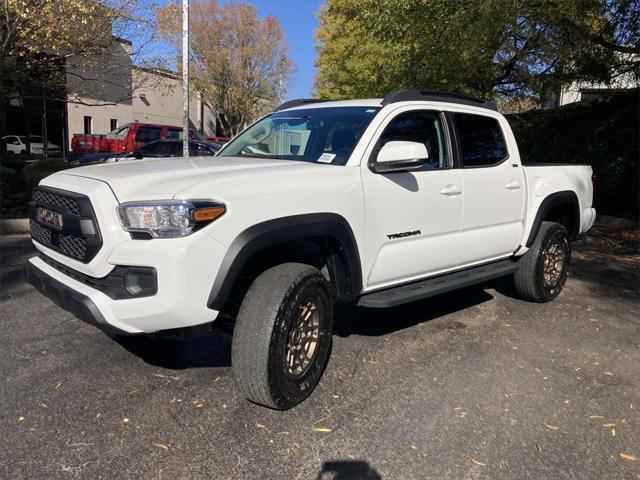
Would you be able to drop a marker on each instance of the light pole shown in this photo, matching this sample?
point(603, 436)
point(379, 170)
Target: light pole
point(185, 78)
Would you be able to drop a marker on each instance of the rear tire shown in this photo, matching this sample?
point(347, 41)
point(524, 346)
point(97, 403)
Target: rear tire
point(543, 270)
point(282, 338)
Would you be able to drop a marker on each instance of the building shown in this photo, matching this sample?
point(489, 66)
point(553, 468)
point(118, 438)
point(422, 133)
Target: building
point(579, 91)
point(100, 93)
point(105, 96)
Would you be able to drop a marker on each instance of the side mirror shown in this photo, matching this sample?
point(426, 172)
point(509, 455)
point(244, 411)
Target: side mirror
point(400, 156)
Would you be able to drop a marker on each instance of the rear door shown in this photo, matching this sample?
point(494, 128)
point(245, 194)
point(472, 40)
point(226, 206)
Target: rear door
point(494, 189)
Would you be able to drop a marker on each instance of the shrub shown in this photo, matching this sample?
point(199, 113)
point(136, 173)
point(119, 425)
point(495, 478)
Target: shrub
point(17, 178)
point(36, 171)
point(603, 134)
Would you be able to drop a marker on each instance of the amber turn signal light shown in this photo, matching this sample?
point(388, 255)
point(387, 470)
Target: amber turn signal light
point(207, 214)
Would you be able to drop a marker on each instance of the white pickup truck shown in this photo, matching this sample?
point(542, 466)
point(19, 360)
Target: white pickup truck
point(370, 202)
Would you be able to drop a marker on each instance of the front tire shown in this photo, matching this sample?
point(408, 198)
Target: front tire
point(543, 270)
point(282, 338)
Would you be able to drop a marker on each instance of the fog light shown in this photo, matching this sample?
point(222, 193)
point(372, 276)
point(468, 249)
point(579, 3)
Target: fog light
point(141, 281)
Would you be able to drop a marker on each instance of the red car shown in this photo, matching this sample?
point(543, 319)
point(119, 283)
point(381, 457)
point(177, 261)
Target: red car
point(127, 138)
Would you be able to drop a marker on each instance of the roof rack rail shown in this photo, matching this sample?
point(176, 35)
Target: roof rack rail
point(435, 96)
point(297, 102)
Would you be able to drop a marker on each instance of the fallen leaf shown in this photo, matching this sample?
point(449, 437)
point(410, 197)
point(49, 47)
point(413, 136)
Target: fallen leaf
point(44, 405)
point(551, 427)
point(613, 432)
point(478, 463)
point(217, 379)
point(539, 448)
point(259, 425)
point(98, 415)
point(609, 373)
point(161, 445)
point(321, 429)
point(609, 425)
point(413, 359)
point(413, 447)
point(628, 457)
point(20, 418)
point(125, 420)
point(595, 416)
point(57, 385)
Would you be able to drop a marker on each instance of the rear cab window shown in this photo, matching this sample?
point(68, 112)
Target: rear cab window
point(481, 139)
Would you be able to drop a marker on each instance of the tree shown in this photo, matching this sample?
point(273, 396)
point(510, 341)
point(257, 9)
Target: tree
point(238, 61)
point(45, 42)
point(493, 48)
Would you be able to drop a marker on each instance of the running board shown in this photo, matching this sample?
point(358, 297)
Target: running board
point(436, 285)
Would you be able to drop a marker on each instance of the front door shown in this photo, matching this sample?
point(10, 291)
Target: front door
point(412, 218)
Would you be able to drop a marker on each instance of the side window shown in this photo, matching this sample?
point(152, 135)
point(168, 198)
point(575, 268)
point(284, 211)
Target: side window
point(422, 126)
point(174, 134)
point(148, 134)
point(481, 140)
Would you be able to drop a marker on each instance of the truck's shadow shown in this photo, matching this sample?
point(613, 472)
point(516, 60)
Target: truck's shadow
point(210, 351)
point(375, 322)
point(215, 350)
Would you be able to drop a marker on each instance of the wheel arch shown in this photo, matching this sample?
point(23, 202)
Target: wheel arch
point(562, 207)
point(329, 232)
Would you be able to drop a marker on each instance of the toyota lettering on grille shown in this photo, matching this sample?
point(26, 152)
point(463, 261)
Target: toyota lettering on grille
point(47, 216)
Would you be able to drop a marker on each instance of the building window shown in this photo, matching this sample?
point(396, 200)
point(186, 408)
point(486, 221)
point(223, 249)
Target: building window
point(88, 124)
point(114, 123)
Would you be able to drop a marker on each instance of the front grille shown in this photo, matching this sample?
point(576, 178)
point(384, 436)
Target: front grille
point(40, 234)
point(79, 236)
point(73, 246)
point(56, 200)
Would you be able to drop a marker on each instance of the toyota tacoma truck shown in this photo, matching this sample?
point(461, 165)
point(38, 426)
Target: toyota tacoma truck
point(368, 202)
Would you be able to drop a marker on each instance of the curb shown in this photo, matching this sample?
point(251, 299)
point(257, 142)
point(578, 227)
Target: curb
point(14, 225)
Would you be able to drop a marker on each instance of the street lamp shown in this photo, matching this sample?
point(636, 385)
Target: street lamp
point(185, 78)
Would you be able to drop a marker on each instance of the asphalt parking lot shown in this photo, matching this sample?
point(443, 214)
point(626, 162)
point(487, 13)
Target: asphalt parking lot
point(469, 385)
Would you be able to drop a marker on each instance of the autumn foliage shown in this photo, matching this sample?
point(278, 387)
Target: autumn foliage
point(238, 61)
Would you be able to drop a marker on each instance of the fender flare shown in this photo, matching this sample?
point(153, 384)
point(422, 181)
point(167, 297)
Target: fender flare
point(285, 229)
point(564, 197)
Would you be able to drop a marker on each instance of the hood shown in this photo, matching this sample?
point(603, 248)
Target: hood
point(164, 178)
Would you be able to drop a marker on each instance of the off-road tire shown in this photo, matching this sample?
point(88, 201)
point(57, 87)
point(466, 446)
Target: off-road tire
point(529, 279)
point(261, 336)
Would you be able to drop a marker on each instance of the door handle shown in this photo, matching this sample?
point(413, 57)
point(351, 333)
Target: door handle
point(512, 185)
point(451, 190)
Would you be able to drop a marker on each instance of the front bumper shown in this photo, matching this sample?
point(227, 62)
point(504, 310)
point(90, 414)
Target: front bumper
point(185, 271)
point(66, 297)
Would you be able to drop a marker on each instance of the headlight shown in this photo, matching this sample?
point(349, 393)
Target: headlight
point(168, 218)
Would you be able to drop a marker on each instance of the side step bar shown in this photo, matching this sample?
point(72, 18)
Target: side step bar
point(436, 285)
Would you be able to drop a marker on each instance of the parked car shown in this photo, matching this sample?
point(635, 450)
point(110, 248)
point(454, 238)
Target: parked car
point(126, 138)
point(218, 139)
point(18, 144)
point(368, 202)
point(156, 149)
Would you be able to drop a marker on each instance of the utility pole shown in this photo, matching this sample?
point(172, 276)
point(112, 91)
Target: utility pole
point(185, 78)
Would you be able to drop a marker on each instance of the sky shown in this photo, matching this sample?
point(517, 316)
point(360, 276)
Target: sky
point(299, 21)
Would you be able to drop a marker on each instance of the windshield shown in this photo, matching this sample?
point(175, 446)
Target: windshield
point(119, 132)
point(325, 135)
